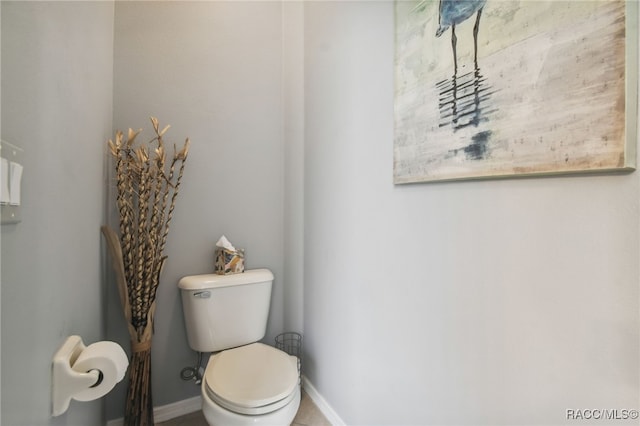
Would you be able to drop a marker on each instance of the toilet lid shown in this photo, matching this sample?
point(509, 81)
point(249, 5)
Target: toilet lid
point(251, 376)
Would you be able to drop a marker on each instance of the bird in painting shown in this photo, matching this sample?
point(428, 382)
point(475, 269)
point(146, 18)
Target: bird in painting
point(454, 12)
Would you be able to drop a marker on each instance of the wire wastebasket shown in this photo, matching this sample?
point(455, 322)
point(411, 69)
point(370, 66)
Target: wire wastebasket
point(291, 343)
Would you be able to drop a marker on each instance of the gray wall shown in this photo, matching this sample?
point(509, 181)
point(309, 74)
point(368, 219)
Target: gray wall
point(493, 302)
point(293, 108)
point(56, 105)
point(213, 70)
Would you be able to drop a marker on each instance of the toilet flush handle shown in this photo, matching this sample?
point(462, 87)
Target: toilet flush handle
point(202, 294)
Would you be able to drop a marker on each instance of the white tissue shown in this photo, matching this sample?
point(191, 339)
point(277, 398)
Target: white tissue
point(109, 359)
point(85, 373)
point(224, 243)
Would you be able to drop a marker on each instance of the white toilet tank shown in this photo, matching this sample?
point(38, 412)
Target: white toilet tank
point(225, 311)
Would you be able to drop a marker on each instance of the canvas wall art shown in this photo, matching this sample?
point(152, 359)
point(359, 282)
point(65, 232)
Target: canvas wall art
point(497, 88)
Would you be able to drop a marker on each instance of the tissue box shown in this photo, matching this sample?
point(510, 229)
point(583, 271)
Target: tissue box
point(229, 262)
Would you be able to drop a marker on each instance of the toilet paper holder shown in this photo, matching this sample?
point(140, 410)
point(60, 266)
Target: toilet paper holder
point(68, 383)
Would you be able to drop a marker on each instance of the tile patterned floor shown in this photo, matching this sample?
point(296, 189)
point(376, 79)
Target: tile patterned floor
point(308, 415)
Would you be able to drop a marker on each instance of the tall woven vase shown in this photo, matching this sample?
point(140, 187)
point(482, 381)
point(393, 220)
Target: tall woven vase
point(139, 405)
point(147, 186)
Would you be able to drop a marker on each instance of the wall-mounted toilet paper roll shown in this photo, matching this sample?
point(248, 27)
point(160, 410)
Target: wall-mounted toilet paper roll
point(106, 357)
point(84, 373)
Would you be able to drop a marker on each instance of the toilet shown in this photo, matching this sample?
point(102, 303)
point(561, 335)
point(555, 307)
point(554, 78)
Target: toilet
point(245, 382)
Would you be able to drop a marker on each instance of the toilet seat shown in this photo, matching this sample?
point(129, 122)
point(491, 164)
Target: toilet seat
point(253, 379)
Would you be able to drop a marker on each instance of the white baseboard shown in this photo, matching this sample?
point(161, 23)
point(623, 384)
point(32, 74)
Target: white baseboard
point(187, 406)
point(321, 403)
point(169, 411)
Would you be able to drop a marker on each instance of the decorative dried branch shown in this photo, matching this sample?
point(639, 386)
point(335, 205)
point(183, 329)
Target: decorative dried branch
point(146, 199)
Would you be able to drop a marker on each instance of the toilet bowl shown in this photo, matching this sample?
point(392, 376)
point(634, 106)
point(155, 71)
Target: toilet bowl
point(254, 384)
